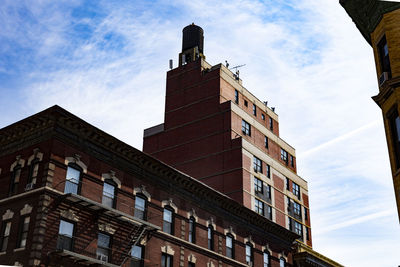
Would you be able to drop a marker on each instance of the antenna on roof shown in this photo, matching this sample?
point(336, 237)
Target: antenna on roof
point(236, 75)
point(266, 103)
point(171, 64)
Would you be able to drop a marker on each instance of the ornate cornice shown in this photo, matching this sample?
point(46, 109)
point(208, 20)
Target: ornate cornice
point(60, 124)
point(386, 91)
point(366, 14)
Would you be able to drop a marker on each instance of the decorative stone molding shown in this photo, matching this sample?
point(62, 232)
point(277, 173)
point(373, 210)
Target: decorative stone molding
point(210, 263)
point(142, 190)
point(17, 161)
point(8, 215)
point(70, 215)
point(36, 154)
point(192, 213)
point(266, 249)
point(192, 258)
point(168, 250)
point(282, 254)
point(105, 227)
point(26, 210)
point(169, 203)
point(111, 176)
point(18, 264)
point(249, 240)
point(77, 160)
point(230, 231)
point(211, 221)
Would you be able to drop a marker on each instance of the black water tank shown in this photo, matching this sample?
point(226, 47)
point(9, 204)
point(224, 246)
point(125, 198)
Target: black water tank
point(192, 36)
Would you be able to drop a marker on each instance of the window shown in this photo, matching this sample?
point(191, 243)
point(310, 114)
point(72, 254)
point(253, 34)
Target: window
point(254, 110)
point(140, 207)
point(210, 237)
point(394, 124)
point(305, 214)
point(236, 97)
point(269, 212)
point(109, 194)
point(259, 207)
point(137, 254)
point(258, 186)
point(103, 247)
point(291, 161)
point(246, 128)
point(166, 260)
point(72, 180)
point(23, 232)
point(65, 235)
point(191, 264)
point(15, 180)
point(268, 191)
point(230, 252)
point(5, 234)
point(271, 124)
point(257, 164)
point(282, 262)
point(384, 56)
point(192, 230)
point(296, 190)
point(249, 254)
point(307, 234)
point(263, 117)
point(266, 258)
point(287, 184)
point(245, 103)
point(297, 209)
point(298, 228)
point(168, 221)
point(266, 142)
point(33, 170)
point(284, 156)
point(268, 171)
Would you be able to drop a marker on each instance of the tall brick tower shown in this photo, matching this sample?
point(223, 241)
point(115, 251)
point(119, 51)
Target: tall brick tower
point(218, 132)
point(379, 23)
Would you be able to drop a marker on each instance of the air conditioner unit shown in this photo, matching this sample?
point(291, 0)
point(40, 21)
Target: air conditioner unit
point(29, 186)
point(102, 257)
point(383, 78)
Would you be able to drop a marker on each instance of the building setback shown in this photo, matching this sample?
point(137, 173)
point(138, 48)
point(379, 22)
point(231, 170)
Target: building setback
point(379, 23)
point(74, 195)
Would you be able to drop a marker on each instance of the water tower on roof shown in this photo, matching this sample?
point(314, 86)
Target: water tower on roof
point(192, 44)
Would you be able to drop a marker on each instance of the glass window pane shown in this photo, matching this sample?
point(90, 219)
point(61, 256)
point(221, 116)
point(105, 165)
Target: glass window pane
point(66, 228)
point(140, 203)
point(108, 190)
point(167, 215)
point(136, 252)
point(73, 174)
point(103, 241)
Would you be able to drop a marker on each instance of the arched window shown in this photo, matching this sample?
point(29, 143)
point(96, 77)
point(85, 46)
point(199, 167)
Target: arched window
point(73, 179)
point(15, 175)
point(192, 230)
point(109, 193)
point(249, 254)
point(230, 246)
point(140, 207)
point(168, 220)
point(282, 262)
point(210, 236)
point(266, 257)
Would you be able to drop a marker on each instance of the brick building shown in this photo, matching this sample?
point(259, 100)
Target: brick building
point(379, 23)
point(74, 195)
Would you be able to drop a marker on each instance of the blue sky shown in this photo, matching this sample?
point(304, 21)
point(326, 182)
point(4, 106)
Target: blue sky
point(105, 61)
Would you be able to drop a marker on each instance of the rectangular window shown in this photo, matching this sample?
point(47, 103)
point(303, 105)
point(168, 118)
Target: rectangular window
point(305, 214)
point(33, 171)
point(263, 117)
point(307, 234)
point(65, 235)
point(245, 103)
point(268, 191)
point(167, 221)
point(394, 124)
point(291, 161)
point(298, 229)
point(140, 207)
point(271, 124)
point(246, 128)
point(254, 110)
point(384, 56)
point(72, 180)
point(192, 230)
point(166, 260)
point(269, 212)
point(296, 190)
point(259, 207)
point(268, 171)
point(5, 234)
point(249, 254)
point(191, 264)
point(108, 195)
point(287, 184)
point(229, 247)
point(258, 186)
point(15, 180)
point(210, 237)
point(103, 247)
point(137, 254)
point(284, 156)
point(257, 164)
point(236, 97)
point(297, 209)
point(266, 259)
point(23, 232)
point(266, 142)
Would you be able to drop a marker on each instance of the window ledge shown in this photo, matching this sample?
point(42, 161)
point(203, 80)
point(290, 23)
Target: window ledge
point(18, 249)
point(3, 253)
